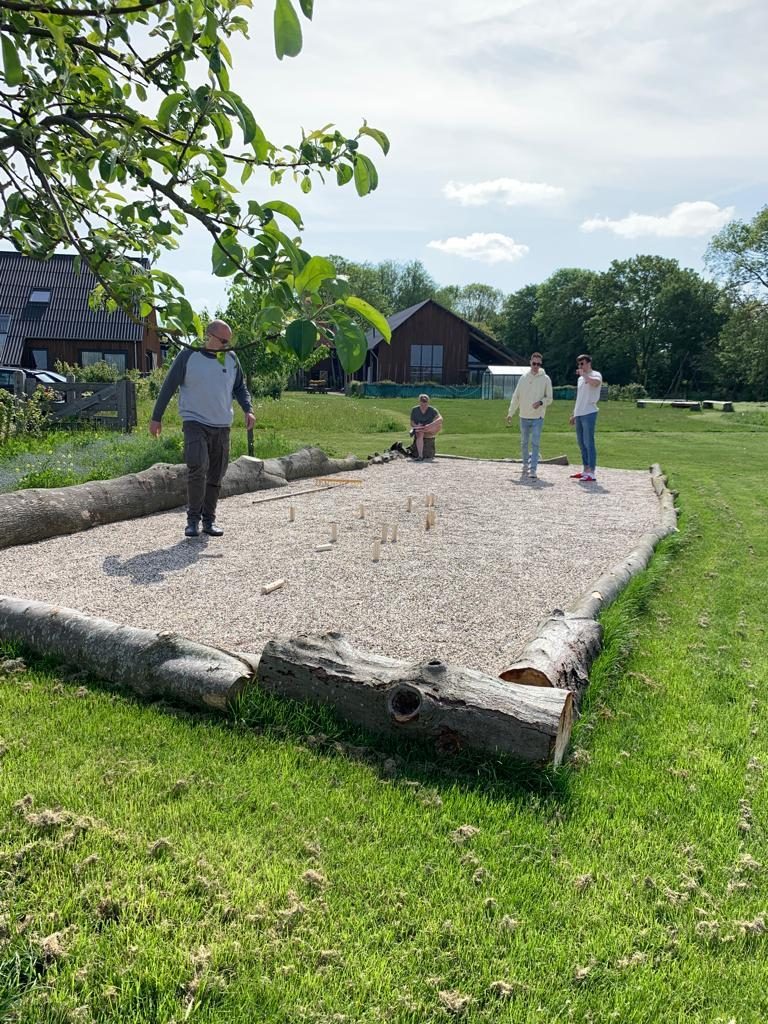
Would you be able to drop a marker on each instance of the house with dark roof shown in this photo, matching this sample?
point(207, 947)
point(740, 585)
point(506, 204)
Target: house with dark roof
point(45, 317)
point(431, 343)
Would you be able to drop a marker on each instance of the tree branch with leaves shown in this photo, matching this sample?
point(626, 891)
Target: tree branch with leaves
point(119, 127)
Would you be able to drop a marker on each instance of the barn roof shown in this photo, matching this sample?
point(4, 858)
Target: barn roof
point(65, 316)
point(489, 344)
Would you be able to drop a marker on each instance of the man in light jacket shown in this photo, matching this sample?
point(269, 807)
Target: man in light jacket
point(532, 396)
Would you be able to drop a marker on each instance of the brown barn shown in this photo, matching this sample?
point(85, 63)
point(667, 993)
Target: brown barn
point(45, 317)
point(430, 343)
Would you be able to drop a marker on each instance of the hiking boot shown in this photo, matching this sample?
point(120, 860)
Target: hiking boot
point(193, 528)
point(212, 529)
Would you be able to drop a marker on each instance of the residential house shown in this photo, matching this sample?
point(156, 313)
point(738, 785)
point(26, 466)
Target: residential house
point(45, 317)
point(430, 343)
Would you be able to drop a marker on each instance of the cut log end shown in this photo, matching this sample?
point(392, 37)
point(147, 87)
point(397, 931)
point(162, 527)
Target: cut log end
point(526, 675)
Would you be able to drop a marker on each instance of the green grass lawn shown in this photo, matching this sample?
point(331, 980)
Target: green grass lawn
point(279, 868)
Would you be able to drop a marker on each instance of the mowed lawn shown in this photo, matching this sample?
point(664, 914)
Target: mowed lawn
point(160, 866)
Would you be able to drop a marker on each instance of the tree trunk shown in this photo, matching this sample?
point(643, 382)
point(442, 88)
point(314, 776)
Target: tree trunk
point(561, 653)
point(38, 513)
point(453, 706)
point(152, 664)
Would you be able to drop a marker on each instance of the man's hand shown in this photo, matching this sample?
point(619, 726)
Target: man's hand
point(250, 419)
point(537, 404)
point(155, 426)
point(509, 420)
point(572, 420)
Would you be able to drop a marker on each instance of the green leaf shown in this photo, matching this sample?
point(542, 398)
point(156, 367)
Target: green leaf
point(168, 109)
point(351, 345)
point(373, 316)
point(378, 136)
point(300, 336)
point(306, 184)
point(14, 73)
point(185, 24)
point(286, 210)
point(366, 177)
point(287, 30)
point(244, 116)
point(306, 6)
point(343, 173)
point(317, 270)
point(226, 256)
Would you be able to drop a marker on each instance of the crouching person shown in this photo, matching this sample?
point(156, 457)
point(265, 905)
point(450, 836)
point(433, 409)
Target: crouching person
point(426, 424)
point(206, 388)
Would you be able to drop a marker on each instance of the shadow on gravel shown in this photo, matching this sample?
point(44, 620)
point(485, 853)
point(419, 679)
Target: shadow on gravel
point(153, 566)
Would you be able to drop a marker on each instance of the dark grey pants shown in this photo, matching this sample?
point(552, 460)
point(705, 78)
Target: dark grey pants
point(206, 453)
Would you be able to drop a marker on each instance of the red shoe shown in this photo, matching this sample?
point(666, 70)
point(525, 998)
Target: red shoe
point(587, 478)
point(576, 476)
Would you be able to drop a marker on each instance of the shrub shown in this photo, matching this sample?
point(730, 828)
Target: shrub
point(101, 372)
point(626, 392)
point(355, 389)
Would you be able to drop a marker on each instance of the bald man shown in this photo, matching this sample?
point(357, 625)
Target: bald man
point(206, 388)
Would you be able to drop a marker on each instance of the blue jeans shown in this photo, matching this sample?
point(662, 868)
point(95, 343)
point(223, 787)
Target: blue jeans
point(585, 435)
point(530, 436)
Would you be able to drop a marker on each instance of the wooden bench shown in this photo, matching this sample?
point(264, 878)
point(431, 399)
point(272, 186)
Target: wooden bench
point(317, 387)
point(717, 406)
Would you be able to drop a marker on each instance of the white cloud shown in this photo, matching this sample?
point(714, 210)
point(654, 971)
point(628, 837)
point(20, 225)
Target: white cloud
point(487, 248)
point(509, 191)
point(686, 220)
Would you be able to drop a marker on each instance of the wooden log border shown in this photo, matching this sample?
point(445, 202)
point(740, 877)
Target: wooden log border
point(36, 514)
point(567, 642)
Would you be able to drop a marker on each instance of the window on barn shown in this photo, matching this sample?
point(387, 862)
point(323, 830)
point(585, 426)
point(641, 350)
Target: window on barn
point(40, 295)
point(426, 363)
point(90, 356)
point(40, 356)
point(5, 329)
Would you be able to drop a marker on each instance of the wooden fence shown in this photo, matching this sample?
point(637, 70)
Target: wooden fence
point(108, 405)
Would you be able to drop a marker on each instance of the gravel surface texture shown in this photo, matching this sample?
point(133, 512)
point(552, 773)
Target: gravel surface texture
point(503, 553)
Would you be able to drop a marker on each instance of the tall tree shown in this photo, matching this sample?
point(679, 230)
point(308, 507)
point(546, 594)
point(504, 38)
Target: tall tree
point(738, 256)
point(517, 328)
point(742, 356)
point(480, 304)
point(119, 126)
point(564, 309)
point(651, 323)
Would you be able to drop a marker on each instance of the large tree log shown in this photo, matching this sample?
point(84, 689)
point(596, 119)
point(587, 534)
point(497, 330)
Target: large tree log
point(455, 707)
point(559, 655)
point(567, 643)
point(35, 514)
point(152, 664)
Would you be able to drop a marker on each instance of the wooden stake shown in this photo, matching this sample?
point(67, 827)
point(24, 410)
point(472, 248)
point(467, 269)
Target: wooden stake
point(324, 547)
point(393, 535)
point(334, 533)
point(428, 521)
point(269, 587)
point(361, 511)
point(375, 551)
point(408, 503)
point(291, 513)
point(383, 533)
point(432, 518)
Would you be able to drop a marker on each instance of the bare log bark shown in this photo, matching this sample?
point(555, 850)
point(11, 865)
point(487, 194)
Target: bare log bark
point(561, 653)
point(455, 707)
point(152, 664)
point(35, 514)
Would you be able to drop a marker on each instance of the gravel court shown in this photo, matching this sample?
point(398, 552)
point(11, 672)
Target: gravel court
point(471, 591)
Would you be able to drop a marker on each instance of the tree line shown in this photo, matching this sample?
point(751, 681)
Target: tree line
point(645, 320)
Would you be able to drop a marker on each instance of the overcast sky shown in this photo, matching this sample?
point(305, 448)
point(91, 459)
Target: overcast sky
point(527, 135)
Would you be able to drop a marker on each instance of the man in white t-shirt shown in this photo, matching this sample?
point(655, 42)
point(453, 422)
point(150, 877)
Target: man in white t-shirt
point(584, 416)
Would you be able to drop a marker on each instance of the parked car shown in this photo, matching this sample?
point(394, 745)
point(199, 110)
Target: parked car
point(29, 379)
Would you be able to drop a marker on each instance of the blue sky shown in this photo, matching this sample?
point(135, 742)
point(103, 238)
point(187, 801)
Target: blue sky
point(527, 135)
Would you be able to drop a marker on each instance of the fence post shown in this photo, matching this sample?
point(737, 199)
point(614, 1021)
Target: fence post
point(121, 398)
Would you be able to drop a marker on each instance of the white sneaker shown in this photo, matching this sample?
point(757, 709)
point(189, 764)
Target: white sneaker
point(532, 476)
